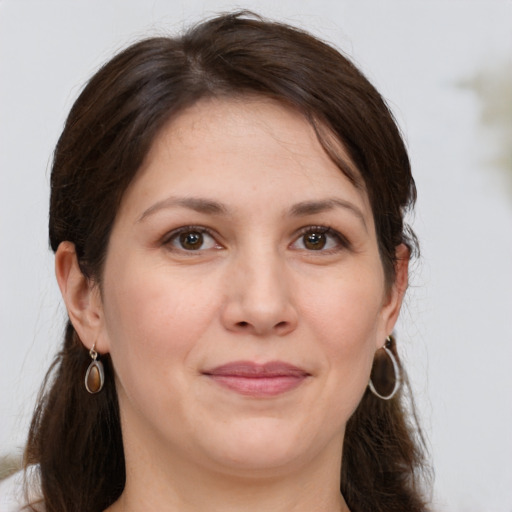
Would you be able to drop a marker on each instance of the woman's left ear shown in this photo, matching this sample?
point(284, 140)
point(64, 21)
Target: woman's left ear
point(396, 292)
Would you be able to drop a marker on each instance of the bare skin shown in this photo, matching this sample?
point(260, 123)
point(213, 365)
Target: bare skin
point(238, 245)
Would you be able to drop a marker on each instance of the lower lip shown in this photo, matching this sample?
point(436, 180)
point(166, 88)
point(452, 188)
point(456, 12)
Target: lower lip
point(265, 386)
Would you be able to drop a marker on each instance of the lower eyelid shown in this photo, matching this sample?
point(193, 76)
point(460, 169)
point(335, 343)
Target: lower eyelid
point(171, 237)
point(341, 240)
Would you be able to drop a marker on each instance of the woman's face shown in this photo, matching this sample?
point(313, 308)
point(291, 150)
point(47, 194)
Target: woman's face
point(243, 295)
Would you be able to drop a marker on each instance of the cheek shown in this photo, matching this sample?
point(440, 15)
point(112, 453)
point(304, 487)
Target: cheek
point(153, 321)
point(347, 309)
point(346, 321)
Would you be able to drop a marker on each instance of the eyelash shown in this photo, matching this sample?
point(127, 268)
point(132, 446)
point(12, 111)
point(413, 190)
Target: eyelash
point(340, 240)
point(174, 235)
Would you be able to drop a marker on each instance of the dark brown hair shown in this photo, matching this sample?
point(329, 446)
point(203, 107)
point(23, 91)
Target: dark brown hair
point(76, 438)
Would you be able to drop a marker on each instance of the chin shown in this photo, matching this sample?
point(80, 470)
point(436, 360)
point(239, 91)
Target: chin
point(265, 445)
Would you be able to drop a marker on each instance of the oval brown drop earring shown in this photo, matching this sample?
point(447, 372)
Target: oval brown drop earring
point(95, 376)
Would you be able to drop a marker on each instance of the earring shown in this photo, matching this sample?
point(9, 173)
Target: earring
point(385, 376)
point(95, 376)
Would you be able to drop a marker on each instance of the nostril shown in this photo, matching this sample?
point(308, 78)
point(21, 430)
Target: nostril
point(281, 325)
point(243, 324)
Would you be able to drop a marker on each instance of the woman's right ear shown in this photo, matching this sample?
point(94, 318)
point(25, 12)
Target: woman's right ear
point(81, 295)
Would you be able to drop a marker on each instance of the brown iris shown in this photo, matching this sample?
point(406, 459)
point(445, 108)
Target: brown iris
point(191, 240)
point(314, 241)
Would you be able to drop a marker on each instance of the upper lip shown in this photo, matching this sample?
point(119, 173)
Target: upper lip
point(249, 369)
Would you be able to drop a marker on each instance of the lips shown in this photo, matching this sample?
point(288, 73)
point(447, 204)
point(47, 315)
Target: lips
point(258, 380)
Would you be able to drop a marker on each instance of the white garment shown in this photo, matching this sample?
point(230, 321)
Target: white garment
point(12, 493)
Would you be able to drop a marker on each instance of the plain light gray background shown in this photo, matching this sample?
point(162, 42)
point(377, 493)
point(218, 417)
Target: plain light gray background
point(446, 69)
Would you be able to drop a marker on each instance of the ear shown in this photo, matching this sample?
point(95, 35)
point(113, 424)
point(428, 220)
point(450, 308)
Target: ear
point(395, 295)
point(81, 296)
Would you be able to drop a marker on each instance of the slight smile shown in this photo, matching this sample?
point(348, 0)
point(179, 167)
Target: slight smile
point(258, 380)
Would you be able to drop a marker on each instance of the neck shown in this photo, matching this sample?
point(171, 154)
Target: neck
point(155, 483)
point(229, 496)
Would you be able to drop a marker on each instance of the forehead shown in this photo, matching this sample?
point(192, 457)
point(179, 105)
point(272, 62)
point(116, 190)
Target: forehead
point(244, 145)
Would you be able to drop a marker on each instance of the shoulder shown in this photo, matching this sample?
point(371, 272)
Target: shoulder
point(13, 497)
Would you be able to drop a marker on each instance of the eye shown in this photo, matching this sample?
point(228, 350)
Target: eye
point(320, 238)
point(192, 238)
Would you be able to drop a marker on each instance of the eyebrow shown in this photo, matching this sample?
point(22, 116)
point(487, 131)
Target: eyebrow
point(197, 204)
point(305, 208)
point(211, 207)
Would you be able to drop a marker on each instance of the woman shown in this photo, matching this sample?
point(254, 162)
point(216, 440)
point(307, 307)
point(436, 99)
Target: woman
point(227, 217)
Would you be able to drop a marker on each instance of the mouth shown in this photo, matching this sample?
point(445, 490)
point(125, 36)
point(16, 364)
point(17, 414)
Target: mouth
point(258, 380)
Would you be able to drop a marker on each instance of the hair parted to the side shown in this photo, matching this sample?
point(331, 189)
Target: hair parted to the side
point(76, 438)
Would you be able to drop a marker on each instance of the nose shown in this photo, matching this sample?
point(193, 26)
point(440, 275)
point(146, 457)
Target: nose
point(259, 299)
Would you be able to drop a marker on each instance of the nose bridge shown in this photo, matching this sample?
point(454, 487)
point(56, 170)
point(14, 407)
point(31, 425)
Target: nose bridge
point(259, 298)
point(265, 279)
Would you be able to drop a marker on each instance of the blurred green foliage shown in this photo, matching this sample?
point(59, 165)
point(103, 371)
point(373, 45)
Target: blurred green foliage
point(493, 87)
point(9, 464)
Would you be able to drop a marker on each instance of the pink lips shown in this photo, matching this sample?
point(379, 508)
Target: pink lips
point(258, 380)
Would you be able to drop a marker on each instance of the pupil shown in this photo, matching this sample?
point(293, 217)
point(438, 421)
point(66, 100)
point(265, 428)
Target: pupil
point(191, 240)
point(314, 241)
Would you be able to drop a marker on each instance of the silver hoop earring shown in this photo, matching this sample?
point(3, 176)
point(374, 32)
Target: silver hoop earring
point(95, 376)
point(385, 377)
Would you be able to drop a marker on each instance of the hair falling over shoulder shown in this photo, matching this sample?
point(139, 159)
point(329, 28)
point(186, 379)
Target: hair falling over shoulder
point(75, 437)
